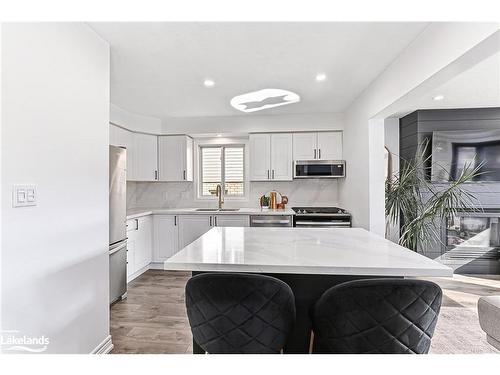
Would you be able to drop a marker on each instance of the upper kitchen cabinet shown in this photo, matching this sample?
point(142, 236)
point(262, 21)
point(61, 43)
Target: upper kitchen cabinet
point(304, 146)
point(260, 157)
point(124, 138)
point(142, 153)
point(271, 157)
point(330, 146)
point(175, 158)
point(146, 157)
point(317, 146)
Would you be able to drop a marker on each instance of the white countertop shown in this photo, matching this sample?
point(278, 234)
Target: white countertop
point(138, 212)
point(335, 251)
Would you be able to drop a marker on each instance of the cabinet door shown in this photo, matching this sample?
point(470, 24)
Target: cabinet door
point(131, 248)
point(166, 237)
point(143, 248)
point(175, 158)
point(191, 227)
point(146, 153)
point(281, 157)
point(260, 157)
point(330, 145)
point(304, 146)
point(231, 221)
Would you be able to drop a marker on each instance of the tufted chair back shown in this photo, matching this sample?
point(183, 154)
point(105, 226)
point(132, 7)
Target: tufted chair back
point(239, 313)
point(376, 316)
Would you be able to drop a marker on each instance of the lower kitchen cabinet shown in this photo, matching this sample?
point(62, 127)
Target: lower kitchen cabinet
point(154, 239)
point(139, 245)
point(232, 220)
point(193, 226)
point(166, 237)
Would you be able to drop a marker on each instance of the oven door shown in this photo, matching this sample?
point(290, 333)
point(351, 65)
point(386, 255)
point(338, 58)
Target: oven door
point(319, 169)
point(321, 221)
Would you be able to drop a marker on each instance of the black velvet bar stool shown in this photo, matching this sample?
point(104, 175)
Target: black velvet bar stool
point(239, 313)
point(386, 316)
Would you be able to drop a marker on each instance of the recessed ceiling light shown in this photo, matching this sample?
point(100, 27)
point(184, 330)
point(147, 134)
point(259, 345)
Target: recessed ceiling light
point(263, 99)
point(219, 135)
point(209, 82)
point(438, 97)
point(320, 77)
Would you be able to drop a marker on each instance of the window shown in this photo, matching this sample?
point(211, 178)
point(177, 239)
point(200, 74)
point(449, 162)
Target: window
point(222, 165)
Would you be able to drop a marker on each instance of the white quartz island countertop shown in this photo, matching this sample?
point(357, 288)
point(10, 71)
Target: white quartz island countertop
point(330, 251)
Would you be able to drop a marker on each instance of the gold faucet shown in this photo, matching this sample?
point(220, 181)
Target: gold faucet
point(218, 193)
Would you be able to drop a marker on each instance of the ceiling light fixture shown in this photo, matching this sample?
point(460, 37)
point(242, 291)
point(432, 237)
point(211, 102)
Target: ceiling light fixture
point(320, 77)
point(219, 135)
point(209, 82)
point(263, 99)
point(438, 98)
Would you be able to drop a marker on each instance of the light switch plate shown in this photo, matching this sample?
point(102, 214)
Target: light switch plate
point(23, 195)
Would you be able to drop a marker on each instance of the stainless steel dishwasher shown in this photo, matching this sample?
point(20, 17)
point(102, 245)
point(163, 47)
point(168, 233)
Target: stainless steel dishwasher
point(271, 221)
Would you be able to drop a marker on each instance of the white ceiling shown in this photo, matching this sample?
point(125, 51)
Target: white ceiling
point(477, 87)
point(157, 69)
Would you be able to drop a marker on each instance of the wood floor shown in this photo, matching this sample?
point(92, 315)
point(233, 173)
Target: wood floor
point(152, 319)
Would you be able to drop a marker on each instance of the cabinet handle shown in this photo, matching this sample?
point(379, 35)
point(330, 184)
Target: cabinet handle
point(210, 220)
point(156, 175)
point(215, 221)
point(314, 153)
point(319, 154)
point(184, 175)
point(273, 174)
point(175, 221)
point(268, 174)
point(136, 224)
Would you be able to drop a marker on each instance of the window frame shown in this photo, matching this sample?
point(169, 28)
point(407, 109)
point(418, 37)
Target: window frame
point(218, 143)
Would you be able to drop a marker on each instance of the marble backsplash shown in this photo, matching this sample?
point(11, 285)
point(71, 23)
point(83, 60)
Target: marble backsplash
point(313, 192)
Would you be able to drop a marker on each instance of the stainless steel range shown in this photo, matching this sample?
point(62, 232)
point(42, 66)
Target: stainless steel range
point(321, 217)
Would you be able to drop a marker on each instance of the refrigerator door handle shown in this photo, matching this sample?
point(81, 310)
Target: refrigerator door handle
point(118, 248)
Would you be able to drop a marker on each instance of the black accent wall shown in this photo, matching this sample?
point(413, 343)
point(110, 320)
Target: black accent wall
point(415, 127)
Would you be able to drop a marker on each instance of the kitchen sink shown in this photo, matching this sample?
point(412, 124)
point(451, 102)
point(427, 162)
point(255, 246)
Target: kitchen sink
point(217, 209)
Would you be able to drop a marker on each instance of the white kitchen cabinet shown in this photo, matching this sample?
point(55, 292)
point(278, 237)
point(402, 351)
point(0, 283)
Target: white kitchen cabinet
point(271, 157)
point(231, 220)
point(144, 245)
point(146, 157)
point(166, 237)
point(260, 157)
point(330, 145)
point(193, 226)
point(124, 138)
point(139, 245)
point(175, 156)
point(281, 157)
point(317, 146)
point(304, 146)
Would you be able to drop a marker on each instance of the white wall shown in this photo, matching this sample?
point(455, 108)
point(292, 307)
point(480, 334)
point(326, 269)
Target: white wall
point(134, 121)
point(391, 141)
point(432, 51)
point(55, 113)
point(253, 123)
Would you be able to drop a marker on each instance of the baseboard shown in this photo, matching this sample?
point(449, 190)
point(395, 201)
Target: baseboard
point(105, 347)
point(138, 273)
point(156, 265)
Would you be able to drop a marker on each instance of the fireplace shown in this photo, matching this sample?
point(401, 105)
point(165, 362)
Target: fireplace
point(471, 242)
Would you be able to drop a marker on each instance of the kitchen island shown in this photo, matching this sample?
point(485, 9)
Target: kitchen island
point(310, 260)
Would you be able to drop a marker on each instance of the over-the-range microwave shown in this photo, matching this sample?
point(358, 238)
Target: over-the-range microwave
point(319, 169)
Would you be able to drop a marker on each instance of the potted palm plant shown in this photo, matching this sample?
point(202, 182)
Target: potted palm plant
point(419, 205)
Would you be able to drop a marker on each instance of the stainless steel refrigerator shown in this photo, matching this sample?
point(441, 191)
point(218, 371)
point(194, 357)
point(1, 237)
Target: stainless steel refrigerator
point(117, 223)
